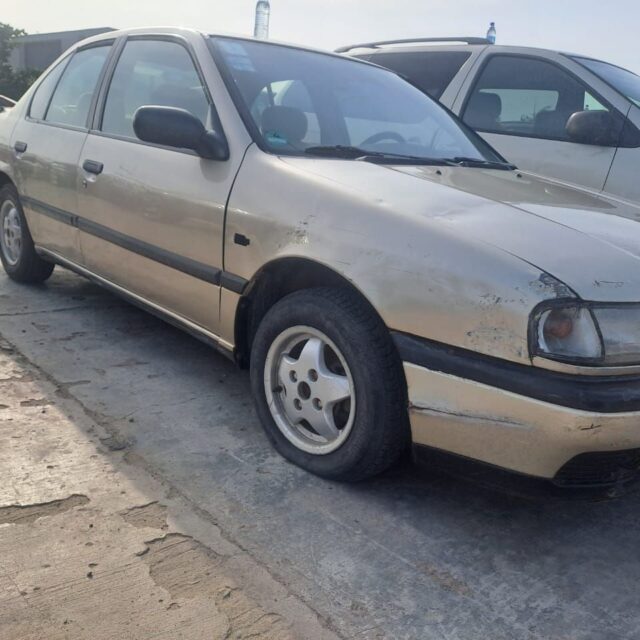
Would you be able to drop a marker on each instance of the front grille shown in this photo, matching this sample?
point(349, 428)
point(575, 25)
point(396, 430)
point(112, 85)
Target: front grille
point(599, 469)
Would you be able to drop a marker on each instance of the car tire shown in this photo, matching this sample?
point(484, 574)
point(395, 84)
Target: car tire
point(334, 343)
point(18, 255)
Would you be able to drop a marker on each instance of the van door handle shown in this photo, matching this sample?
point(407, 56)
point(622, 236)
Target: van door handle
point(20, 147)
point(91, 166)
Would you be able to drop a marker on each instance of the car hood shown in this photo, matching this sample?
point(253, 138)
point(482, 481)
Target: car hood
point(589, 242)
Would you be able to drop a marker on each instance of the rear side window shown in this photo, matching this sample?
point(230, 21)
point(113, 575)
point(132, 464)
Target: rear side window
point(72, 97)
point(528, 97)
point(432, 71)
point(152, 73)
point(41, 97)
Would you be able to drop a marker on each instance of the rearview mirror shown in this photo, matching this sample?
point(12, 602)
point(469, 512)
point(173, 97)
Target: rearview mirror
point(598, 128)
point(172, 127)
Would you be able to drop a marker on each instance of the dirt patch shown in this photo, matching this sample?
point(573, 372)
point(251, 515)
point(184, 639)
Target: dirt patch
point(72, 336)
point(446, 580)
point(116, 443)
point(34, 402)
point(27, 514)
point(188, 570)
point(153, 515)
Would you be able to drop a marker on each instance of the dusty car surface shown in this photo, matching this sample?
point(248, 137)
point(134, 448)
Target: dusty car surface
point(556, 114)
point(386, 276)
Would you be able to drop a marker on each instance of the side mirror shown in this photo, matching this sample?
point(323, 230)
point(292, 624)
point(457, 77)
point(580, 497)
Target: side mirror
point(172, 127)
point(597, 128)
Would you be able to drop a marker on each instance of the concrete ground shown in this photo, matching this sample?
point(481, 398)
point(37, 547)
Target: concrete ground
point(212, 522)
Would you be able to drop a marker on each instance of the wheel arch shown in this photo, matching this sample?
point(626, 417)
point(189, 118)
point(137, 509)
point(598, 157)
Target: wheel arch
point(5, 179)
point(274, 281)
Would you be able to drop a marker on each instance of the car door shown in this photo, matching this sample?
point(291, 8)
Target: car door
point(47, 145)
point(623, 177)
point(152, 217)
point(521, 105)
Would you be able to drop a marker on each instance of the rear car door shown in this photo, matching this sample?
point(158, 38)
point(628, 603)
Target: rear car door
point(521, 105)
point(152, 217)
point(47, 145)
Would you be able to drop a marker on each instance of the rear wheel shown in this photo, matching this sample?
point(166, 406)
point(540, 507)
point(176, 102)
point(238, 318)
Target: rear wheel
point(329, 385)
point(18, 255)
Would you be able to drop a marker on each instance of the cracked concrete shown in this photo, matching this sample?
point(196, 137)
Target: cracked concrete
point(91, 548)
point(408, 556)
point(152, 515)
point(29, 513)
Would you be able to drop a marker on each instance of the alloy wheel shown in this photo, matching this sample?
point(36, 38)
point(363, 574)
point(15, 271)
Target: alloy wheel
point(310, 390)
point(11, 232)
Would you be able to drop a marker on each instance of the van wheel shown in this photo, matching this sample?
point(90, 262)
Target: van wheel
point(329, 386)
point(18, 255)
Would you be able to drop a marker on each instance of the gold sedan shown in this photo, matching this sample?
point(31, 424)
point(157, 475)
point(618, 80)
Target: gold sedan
point(387, 277)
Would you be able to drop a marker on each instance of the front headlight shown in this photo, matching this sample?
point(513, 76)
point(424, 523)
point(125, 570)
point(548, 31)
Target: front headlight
point(587, 333)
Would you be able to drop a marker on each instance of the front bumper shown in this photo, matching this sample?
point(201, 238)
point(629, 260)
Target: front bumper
point(520, 418)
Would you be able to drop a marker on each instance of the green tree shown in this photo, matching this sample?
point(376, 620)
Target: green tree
point(12, 83)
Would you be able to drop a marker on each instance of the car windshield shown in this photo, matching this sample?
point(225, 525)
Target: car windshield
point(626, 82)
point(300, 102)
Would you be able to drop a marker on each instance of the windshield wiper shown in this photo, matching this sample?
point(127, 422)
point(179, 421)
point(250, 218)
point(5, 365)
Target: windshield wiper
point(463, 161)
point(365, 155)
point(337, 151)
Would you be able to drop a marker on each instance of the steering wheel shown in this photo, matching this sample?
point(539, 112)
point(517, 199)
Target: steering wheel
point(384, 135)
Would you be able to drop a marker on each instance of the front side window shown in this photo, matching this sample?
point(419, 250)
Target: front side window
point(528, 97)
point(431, 71)
point(152, 73)
point(626, 82)
point(302, 102)
point(72, 98)
point(41, 97)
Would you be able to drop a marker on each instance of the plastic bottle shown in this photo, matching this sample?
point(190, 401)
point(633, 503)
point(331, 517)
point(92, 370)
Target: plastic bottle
point(491, 34)
point(263, 12)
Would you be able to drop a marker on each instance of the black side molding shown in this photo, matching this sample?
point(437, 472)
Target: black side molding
point(232, 282)
point(600, 394)
point(191, 267)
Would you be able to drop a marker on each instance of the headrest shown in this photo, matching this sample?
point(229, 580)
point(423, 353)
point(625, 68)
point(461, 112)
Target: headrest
point(287, 123)
point(483, 111)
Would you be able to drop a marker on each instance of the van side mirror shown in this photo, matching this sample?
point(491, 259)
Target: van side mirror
point(177, 128)
point(599, 128)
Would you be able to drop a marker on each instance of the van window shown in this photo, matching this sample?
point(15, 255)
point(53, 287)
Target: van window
point(430, 71)
point(516, 95)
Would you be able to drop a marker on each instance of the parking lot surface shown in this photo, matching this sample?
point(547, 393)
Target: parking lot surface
point(410, 555)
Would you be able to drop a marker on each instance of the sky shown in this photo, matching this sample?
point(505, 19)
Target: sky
point(605, 30)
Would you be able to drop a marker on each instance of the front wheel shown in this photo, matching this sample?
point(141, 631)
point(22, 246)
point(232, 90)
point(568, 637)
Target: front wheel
point(18, 255)
point(329, 386)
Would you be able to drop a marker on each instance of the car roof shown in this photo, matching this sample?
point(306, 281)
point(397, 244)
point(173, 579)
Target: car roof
point(190, 33)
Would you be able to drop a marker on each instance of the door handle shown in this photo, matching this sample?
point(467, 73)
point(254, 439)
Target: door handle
point(91, 166)
point(20, 147)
